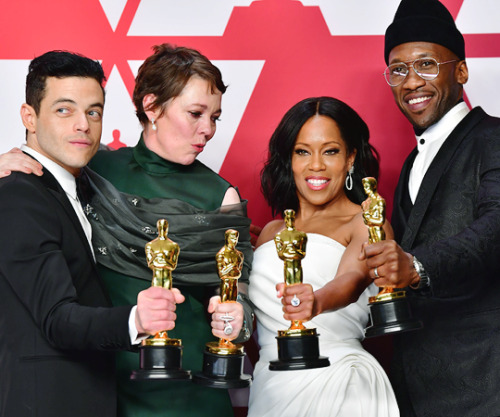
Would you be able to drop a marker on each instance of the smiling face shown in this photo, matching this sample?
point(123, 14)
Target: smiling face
point(68, 126)
point(320, 162)
point(187, 123)
point(426, 102)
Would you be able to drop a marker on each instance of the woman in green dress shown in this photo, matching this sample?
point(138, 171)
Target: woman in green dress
point(177, 95)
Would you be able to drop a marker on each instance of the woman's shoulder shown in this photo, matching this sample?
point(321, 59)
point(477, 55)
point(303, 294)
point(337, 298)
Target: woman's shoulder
point(269, 231)
point(207, 171)
point(359, 229)
point(338, 224)
point(106, 156)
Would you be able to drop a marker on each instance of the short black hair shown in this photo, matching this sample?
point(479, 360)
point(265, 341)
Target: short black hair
point(59, 64)
point(277, 183)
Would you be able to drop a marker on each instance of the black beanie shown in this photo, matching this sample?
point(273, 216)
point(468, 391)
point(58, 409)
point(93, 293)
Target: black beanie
point(424, 21)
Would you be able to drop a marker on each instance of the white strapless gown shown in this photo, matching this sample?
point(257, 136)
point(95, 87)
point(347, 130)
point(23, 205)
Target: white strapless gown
point(354, 385)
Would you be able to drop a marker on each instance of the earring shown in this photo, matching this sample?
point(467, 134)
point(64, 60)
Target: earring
point(153, 123)
point(348, 178)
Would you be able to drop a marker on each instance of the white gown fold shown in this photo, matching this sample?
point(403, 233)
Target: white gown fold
point(353, 385)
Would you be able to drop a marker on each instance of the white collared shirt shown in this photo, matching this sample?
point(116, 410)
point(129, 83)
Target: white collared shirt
point(433, 138)
point(67, 181)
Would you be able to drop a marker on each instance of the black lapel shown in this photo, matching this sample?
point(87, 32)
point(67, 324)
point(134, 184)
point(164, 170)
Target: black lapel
point(399, 217)
point(434, 173)
point(53, 186)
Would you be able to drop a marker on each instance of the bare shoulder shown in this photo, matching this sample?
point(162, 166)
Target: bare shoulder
point(231, 197)
point(359, 228)
point(269, 231)
point(343, 224)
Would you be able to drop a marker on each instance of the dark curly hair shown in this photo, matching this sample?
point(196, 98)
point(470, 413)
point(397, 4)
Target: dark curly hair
point(277, 183)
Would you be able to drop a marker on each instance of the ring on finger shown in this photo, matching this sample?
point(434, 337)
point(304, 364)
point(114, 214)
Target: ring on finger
point(228, 329)
point(375, 272)
point(226, 318)
point(295, 301)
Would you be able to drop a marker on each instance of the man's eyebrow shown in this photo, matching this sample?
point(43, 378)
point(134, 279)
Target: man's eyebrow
point(71, 101)
point(63, 100)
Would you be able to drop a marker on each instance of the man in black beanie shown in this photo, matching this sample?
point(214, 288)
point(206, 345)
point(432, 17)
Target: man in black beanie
point(446, 220)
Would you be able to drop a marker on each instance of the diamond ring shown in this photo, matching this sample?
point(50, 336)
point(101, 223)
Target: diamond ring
point(226, 318)
point(228, 329)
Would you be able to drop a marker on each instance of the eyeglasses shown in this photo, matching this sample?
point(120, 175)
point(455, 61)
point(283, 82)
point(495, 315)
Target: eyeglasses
point(425, 68)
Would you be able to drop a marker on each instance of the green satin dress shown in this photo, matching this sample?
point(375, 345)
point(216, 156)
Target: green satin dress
point(138, 171)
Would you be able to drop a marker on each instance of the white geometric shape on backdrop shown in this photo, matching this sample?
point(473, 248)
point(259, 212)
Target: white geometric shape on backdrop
point(183, 17)
point(241, 78)
point(119, 112)
point(479, 16)
point(479, 87)
point(12, 81)
point(113, 10)
point(360, 17)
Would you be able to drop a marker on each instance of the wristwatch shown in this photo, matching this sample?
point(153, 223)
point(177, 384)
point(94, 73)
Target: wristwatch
point(425, 281)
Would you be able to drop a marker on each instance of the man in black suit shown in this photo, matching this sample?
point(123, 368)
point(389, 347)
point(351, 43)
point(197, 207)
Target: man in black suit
point(446, 219)
point(58, 329)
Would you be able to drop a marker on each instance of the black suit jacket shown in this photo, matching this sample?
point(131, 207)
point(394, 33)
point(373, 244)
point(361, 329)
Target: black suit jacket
point(452, 366)
point(57, 328)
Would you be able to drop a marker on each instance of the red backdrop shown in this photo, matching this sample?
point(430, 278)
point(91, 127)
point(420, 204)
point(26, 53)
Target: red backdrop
point(303, 50)
point(272, 53)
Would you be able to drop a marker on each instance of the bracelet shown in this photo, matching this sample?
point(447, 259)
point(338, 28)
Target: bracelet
point(247, 327)
point(425, 281)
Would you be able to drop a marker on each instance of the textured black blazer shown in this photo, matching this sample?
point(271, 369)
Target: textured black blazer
point(452, 366)
point(56, 325)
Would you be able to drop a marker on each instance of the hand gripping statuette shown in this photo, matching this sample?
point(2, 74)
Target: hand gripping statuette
point(223, 360)
point(161, 356)
point(298, 346)
point(389, 309)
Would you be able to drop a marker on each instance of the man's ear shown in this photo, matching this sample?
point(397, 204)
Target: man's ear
point(29, 118)
point(462, 72)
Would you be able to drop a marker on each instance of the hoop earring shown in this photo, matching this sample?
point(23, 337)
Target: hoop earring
point(153, 124)
point(348, 178)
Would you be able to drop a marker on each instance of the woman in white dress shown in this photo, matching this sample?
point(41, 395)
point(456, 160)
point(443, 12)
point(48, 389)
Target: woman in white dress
point(317, 157)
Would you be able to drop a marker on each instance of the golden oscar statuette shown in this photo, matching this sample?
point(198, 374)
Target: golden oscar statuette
point(298, 346)
point(223, 360)
point(160, 357)
point(389, 309)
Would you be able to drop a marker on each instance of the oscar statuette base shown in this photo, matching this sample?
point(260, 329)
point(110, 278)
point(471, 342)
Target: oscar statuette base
point(391, 314)
point(298, 350)
point(160, 362)
point(223, 367)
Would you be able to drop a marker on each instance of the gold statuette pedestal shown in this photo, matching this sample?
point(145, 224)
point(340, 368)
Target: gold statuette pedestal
point(389, 309)
point(160, 357)
point(298, 346)
point(223, 360)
